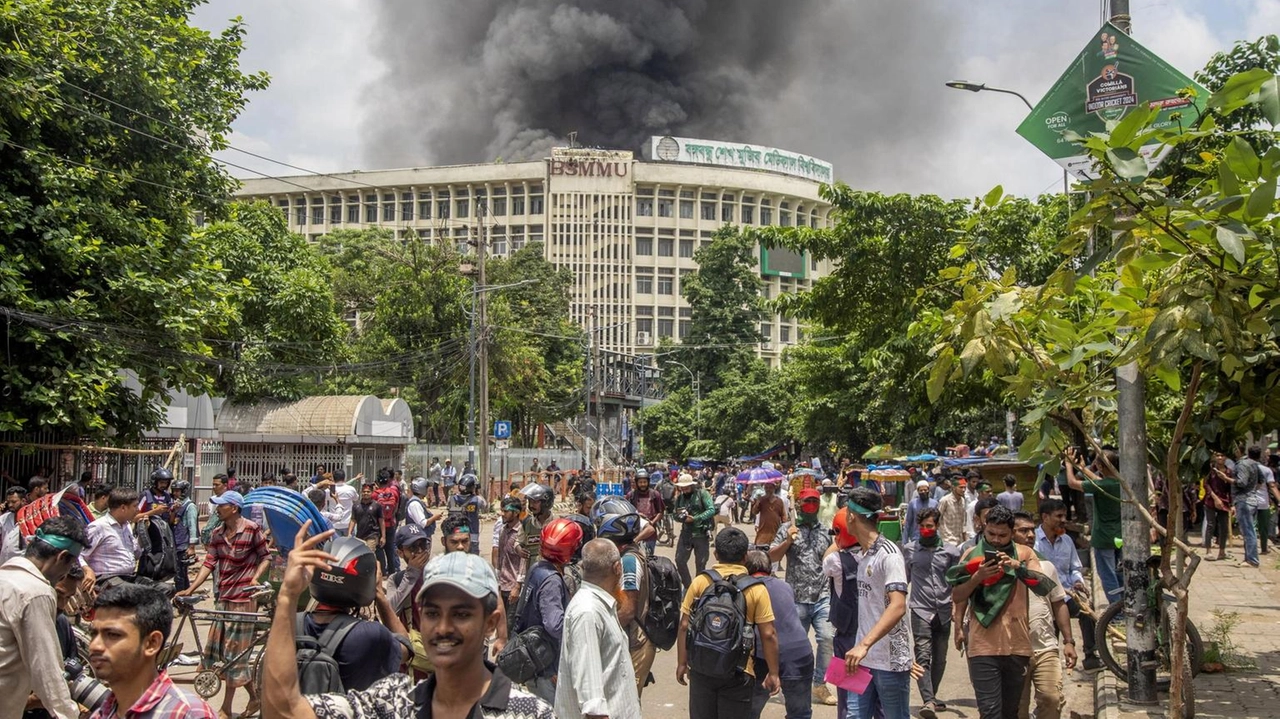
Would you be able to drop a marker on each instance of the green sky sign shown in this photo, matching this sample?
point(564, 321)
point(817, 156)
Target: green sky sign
point(1112, 75)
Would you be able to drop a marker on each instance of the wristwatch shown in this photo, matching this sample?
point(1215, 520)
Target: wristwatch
point(1072, 642)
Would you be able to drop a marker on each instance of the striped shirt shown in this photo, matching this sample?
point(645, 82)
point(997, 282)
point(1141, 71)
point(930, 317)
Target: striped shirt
point(236, 559)
point(161, 700)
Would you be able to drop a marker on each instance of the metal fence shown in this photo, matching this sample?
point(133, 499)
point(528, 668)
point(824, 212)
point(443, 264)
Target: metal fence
point(64, 465)
point(502, 462)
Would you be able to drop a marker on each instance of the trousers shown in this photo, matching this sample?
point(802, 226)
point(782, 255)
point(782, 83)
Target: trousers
point(932, 639)
point(1045, 678)
point(719, 697)
point(997, 684)
point(699, 546)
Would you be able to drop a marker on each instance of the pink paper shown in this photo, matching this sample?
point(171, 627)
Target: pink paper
point(856, 682)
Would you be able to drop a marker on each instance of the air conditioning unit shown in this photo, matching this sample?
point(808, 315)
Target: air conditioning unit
point(643, 338)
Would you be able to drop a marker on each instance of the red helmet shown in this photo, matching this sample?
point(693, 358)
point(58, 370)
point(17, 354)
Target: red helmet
point(560, 539)
point(845, 537)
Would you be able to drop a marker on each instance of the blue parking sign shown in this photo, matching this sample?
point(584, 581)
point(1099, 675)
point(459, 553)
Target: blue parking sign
point(502, 429)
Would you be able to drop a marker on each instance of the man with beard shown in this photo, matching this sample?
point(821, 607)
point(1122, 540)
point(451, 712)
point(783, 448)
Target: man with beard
point(458, 609)
point(919, 503)
point(804, 543)
point(648, 503)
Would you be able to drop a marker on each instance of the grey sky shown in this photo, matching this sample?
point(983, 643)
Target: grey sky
point(862, 84)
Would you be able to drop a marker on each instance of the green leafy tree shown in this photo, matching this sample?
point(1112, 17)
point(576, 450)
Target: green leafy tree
point(285, 328)
point(108, 111)
point(1189, 290)
point(725, 308)
point(668, 426)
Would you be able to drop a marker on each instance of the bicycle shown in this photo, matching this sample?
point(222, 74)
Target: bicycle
point(1113, 645)
point(208, 682)
point(666, 532)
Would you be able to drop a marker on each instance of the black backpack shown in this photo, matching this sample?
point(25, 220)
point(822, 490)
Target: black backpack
point(402, 505)
point(159, 560)
point(720, 639)
point(661, 622)
point(318, 670)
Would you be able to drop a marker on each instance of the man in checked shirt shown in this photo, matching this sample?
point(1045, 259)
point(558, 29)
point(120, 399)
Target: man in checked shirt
point(238, 550)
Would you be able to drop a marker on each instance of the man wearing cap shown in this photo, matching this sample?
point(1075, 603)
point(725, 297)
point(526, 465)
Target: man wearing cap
point(30, 659)
point(918, 503)
point(804, 543)
point(238, 550)
point(458, 608)
point(694, 511)
point(952, 508)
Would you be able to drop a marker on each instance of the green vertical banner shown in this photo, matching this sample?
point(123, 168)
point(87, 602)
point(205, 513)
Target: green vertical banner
point(1113, 74)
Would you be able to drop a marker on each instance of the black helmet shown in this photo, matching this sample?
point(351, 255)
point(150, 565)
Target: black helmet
point(161, 474)
point(350, 581)
point(419, 486)
point(467, 484)
point(588, 532)
point(539, 493)
point(642, 473)
point(182, 486)
point(621, 529)
point(610, 505)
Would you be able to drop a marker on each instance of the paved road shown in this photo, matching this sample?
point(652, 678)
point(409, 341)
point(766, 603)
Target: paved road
point(667, 698)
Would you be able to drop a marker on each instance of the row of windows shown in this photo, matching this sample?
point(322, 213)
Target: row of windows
point(351, 208)
point(669, 327)
point(645, 208)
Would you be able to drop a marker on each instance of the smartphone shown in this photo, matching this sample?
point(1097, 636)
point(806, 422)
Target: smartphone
point(990, 556)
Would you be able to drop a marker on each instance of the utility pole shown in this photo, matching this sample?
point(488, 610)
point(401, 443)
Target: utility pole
point(1140, 627)
point(482, 359)
point(598, 384)
point(589, 378)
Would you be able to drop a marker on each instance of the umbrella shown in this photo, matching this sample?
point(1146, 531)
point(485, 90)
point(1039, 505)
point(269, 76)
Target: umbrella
point(759, 475)
point(880, 451)
point(926, 457)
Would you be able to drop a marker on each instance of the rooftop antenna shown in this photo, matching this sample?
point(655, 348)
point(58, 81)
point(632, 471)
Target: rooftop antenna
point(573, 139)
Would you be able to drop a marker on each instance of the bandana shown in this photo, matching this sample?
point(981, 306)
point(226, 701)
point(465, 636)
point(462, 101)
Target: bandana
point(990, 599)
point(58, 541)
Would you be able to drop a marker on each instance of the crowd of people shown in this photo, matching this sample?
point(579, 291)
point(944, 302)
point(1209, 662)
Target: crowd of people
point(567, 613)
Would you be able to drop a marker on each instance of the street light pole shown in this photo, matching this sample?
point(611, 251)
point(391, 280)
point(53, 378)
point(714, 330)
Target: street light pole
point(982, 87)
point(697, 398)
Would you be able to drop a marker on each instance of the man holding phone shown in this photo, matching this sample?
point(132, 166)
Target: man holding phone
point(990, 585)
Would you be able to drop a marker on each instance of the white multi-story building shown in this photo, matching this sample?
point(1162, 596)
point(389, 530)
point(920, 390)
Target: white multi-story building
point(627, 227)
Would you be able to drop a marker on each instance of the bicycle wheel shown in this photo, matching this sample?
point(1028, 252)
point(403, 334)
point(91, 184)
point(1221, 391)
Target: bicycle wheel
point(1113, 646)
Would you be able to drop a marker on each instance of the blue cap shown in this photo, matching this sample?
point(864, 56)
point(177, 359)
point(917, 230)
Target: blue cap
point(229, 497)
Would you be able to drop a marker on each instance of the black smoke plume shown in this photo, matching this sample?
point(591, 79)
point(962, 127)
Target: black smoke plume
point(477, 80)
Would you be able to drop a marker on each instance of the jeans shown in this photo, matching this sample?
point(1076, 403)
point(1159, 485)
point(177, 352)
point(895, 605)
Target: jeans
point(932, 639)
point(700, 546)
point(891, 692)
point(1105, 561)
point(388, 558)
point(719, 697)
point(544, 688)
point(1215, 525)
point(815, 616)
point(650, 546)
point(797, 696)
point(997, 685)
point(1246, 516)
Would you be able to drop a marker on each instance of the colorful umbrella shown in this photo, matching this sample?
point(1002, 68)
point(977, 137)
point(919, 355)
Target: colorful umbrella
point(759, 475)
point(34, 513)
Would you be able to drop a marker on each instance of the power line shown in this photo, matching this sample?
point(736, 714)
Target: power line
point(113, 173)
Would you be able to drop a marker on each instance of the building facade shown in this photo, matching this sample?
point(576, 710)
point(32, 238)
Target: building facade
point(626, 226)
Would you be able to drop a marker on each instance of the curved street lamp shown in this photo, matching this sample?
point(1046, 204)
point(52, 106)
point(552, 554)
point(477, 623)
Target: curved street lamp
point(980, 87)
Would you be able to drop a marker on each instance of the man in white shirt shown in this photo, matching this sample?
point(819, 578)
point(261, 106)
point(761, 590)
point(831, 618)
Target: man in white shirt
point(1045, 672)
point(342, 497)
point(448, 475)
point(596, 677)
point(10, 536)
point(30, 658)
point(112, 551)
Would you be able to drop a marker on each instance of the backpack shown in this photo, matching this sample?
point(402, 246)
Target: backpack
point(661, 623)
point(318, 671)
point(720, 639)
point(531, 652)
point(402, 505)
point(159, 560)
point(1247, 475)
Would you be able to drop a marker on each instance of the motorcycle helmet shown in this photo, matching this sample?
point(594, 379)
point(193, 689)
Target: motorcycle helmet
point(419, 486)
point(642, 473)
point(610, 505)
point(560, 539)
point(161, 474)
point(621, 529)
point(841, 530)
point(538, 493)
point(588, 532)
point(467, 485)
point(350, 581)
point(182, 487)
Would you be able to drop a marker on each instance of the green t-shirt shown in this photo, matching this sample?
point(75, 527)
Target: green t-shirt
point(1106, 495)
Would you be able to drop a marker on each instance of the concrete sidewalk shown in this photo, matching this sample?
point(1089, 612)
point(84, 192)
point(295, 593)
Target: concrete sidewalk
point(1252, 692)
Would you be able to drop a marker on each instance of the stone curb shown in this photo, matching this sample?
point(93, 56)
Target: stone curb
point(1106, 696)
